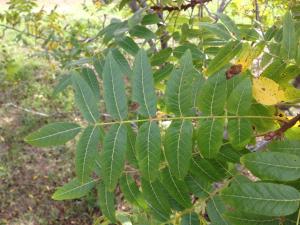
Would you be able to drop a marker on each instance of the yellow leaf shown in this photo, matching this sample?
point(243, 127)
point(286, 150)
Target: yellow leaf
point(267, 91)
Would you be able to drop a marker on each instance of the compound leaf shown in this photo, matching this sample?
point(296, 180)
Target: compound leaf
point(53, 134)
point(148, 150)
point(223, 57)
point(239, 132)
point(277, 166)
point(106, 202)
point(86, 152)
point(85, 99)
point(262, 198)
point(131, 191)
point(113, 155)
point(289, 39)
point(73, 190)
point(210, 137)
point(114, 89)
point(176, 188)
point(143, 85)
point(212, 96)
point(190, 219)
point(240, 99)
point(178, 147)
point(179, 87)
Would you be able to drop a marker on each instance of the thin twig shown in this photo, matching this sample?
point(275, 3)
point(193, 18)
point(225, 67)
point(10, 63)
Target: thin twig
point(23, 32)
point(27, 110)
point(183, 7)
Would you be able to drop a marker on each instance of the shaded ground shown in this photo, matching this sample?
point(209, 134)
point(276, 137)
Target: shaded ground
point(28, 175)
point(27, 186)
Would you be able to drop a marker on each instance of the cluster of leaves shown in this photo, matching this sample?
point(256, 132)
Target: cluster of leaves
point(59, 37)
point(185, 162)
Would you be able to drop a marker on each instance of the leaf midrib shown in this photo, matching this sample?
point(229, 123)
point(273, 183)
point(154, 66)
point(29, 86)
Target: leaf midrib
point(85, 154)
point(113, 153)
point(261, 199)
point(274, 165)
point(51, 135)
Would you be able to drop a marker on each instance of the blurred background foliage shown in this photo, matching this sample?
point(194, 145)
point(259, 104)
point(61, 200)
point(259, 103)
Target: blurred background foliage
point(39, 44)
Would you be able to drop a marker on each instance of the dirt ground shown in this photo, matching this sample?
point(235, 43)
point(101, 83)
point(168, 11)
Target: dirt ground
point(28, 177)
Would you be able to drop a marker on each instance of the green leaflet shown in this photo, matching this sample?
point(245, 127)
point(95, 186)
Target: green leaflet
point(179, 51)
point(228, 154)
point(130, 153)
point(298, 54)
point(273, 165)
point(161, 57)
point(90, 77)
point(239, 132)
point(142, 32)
point(148, 150)
point(62, 84)
point(150, 19)
point(240, 99)
point(135, 19)
point(85, 99)
point(232, 83)
point(53, 134)
point(229, 24)
point(128, 45)
point(289, 39)
point(212, 96)
point(114, 89)
point(262, 198)
point(178, 147)
point(131, 191)
point(198, 82)
point(157, 199)
point(210, 137)
point(143, 91)
point(218, 29)
point(190, 219)
point(198, 185)
point(123, 3)
point(109, 31)
point(122, 62)
point(240, 218)
point(113, 155)
point(179, 87)
point(206, 169)
point(73, 190)
point(86, 152)
point(106, 202)
point(98, 63)
point(215, 210)
point(249, 33)
point(286, 146)
point(98, 167)
point(262, 125)
point(176, 188)
point(274, 70)
point(163, 72)
point(269, 34)
point(225, 54)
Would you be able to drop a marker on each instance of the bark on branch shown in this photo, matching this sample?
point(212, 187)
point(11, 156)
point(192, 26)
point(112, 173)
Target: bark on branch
point(183, 7)
point(284, 127)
